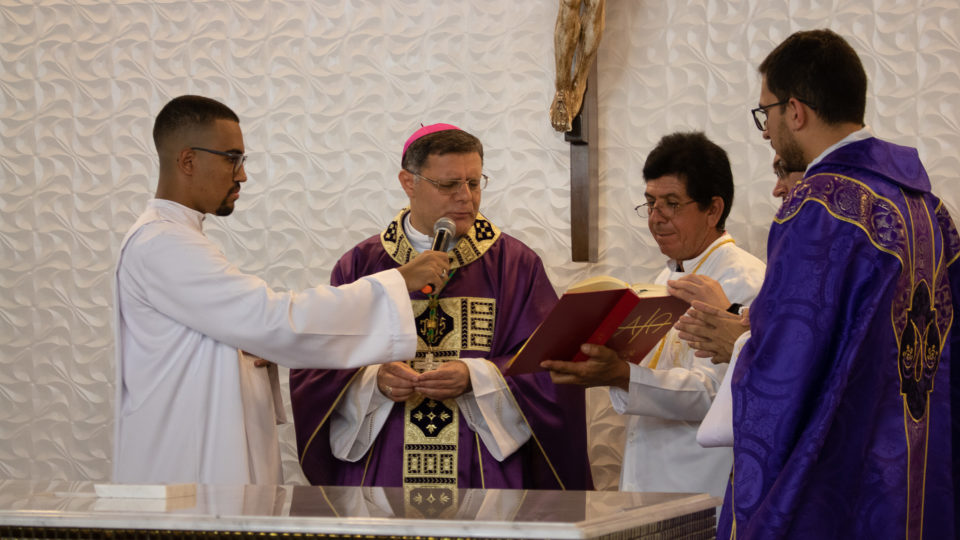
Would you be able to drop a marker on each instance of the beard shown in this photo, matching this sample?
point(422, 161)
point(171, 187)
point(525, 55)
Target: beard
point(225, 209)
point(790, 152)
point(226, 206)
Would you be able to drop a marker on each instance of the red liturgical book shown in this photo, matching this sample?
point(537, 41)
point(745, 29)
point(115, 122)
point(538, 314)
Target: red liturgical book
point(628, 319)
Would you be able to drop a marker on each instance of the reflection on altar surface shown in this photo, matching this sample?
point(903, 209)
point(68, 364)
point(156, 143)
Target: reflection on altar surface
point(72, 510)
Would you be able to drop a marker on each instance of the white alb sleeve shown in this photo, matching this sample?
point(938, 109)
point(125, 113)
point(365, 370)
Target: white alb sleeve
point(717, 426)
point(358, 418)
point(491, 411)
point(675, 394)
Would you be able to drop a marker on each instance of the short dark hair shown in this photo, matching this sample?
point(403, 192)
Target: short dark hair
point(821, 69)
point(188, 112)
point(449, 141)
point(699, 163)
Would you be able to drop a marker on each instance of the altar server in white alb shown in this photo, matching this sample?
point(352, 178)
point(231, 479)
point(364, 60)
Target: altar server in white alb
point(191, 405)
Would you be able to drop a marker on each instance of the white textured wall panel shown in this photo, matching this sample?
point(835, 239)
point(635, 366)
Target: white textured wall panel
point(327, 91)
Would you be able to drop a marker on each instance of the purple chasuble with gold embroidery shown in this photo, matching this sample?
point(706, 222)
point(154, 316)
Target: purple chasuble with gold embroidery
point(487, 265)
point(843, 396)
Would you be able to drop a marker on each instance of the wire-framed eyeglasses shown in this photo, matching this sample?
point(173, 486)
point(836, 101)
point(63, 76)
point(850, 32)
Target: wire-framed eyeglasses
point(666, 209)
point(236, 158)
point(449, 187)
point(782, 171)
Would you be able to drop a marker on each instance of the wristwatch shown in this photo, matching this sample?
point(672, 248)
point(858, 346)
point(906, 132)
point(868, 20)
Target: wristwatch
point(735, 308)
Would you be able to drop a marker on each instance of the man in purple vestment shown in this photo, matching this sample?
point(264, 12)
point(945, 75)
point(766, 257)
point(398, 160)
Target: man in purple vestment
point(447, 418)
point(842, 397)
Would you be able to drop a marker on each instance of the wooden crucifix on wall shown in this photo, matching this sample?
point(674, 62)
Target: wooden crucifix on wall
point(574, 111)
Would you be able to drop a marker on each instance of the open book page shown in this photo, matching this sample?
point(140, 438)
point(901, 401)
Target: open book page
point(606, 283)
point(645, 290)
point(598, 283)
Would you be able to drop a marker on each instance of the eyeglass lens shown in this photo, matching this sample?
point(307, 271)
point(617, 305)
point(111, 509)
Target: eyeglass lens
point(666, 210)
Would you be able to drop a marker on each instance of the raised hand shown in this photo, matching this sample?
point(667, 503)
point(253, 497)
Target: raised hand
point(429, 267)
point(697, 287)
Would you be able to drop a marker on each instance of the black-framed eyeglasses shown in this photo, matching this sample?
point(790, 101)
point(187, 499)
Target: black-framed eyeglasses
point(666, 209)
point(760, 113)
point(236, 158)
point(449, 187)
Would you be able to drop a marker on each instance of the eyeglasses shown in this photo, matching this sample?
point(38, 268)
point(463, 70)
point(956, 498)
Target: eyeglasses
point(667, 209)
point(780, 169)
point(236, 158)
point(760, 113)
point(449, 187)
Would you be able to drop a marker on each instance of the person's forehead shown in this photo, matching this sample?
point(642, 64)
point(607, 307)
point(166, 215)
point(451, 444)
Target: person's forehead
point(764, 91)
point(666, 186)
point(450, 159)
point(227, 132)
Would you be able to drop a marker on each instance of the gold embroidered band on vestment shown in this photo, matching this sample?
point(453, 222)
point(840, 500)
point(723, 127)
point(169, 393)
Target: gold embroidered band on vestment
point(431, 427)
point(469, 247)
point(445, 327)
point(919, 313)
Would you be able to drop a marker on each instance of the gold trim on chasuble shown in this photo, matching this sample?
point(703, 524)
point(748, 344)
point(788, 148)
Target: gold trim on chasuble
point(333, 406)
point(445, 327)
point(951, 238)
point(470, 247)
point(920, 319)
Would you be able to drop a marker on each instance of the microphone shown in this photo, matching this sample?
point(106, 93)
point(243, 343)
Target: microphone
point(443, 231)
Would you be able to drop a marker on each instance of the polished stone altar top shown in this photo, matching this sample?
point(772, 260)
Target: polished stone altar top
point(354, 510)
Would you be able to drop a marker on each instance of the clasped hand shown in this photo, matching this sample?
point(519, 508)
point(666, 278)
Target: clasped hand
point(695, 287)
point(398, 381)
point(711, 331)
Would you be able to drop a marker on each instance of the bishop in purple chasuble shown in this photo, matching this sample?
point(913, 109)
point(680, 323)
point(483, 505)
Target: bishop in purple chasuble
point(844, 397)
point(496, 297)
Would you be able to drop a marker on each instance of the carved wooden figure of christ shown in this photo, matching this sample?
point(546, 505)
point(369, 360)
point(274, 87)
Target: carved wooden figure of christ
point(574, 111)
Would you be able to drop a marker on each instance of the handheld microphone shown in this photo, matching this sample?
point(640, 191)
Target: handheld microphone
point(443, 231)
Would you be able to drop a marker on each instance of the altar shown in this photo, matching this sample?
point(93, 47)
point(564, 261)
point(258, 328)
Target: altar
point(61, 509)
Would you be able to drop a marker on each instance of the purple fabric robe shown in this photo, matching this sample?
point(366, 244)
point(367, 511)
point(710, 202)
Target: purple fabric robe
point(843, 396)
point(511, 273)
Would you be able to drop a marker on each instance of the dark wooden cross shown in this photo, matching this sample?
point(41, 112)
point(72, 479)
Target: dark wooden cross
point(585, 176)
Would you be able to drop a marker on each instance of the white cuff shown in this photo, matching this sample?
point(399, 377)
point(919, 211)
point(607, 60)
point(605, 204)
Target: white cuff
point(717, 426)
point(490, 410)
point(620, 398)
point(358, 418)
